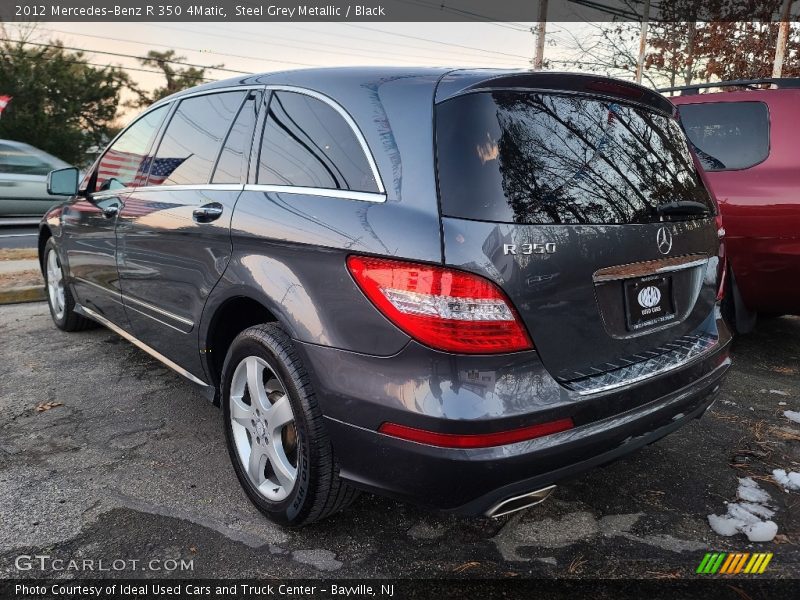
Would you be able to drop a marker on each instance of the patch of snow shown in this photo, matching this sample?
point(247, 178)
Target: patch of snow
point(750, 492)
point(792, 415)
point(779, 392)
point(749, 517)
point(781, 403)
point(729, 402)
point(790, 480)
point(763, 531)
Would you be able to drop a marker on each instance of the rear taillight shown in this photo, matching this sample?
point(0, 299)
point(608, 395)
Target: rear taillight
point(442, 308)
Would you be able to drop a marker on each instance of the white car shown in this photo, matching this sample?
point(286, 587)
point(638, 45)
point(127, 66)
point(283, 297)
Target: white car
point(23, 179)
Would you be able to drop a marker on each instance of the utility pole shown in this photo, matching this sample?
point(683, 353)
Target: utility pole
point(643, 41)
point(783, 37)
point(538, 57)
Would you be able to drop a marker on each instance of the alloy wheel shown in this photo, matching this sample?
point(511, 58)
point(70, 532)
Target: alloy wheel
point(55, 284)
point(263, 427)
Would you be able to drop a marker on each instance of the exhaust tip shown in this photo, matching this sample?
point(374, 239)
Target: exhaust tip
point(515, 503)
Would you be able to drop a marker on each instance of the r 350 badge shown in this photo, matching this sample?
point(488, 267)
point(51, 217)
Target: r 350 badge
point(548, 248)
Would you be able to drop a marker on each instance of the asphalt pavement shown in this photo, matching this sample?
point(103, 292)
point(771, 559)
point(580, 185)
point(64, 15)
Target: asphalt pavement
point(14, 236)
point(107, 454)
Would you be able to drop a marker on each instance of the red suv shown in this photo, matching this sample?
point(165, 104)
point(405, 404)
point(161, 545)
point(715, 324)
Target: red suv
point(748, 143)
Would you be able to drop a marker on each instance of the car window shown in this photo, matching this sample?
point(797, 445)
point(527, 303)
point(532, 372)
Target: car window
point(125, 162)
point(727, 135)
point(307, 143)
point(22, 161)
point(527, 157)
point(232, 163)
point(192, 141)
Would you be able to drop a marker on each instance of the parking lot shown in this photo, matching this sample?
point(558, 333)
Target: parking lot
point(107, 454)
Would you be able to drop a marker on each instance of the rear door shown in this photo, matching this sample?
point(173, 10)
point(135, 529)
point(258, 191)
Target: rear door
point(174, 232)
point(589, 212)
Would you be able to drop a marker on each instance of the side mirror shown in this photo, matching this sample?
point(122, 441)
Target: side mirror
point(63, 182)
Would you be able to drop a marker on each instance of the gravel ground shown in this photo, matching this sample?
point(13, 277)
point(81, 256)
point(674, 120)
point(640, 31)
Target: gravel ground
point(125, 460)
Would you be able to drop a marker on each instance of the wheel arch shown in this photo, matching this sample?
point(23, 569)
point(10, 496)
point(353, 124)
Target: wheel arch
point(44, 234)
point(224, 319)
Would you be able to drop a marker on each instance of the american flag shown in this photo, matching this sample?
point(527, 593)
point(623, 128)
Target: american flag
point(4, 100)
point(122, 166)
point(131, 169)
point(162, 168)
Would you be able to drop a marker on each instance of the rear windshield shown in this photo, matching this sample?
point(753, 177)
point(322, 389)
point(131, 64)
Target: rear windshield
point(525, 157)
point(727, 135)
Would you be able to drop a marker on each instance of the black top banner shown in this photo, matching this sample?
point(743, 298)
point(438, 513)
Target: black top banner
point(527, 11)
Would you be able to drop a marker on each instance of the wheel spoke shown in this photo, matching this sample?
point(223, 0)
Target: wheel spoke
point(255, 383)
point(242, 413)
point(280, 414)
point(284, 471)
point(256, 464)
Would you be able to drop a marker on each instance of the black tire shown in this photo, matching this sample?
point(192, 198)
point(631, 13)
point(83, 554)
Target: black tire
point(318, 490)
point(67, 319)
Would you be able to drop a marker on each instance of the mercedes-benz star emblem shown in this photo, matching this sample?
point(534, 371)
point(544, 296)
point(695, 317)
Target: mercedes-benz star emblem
point(664, 240)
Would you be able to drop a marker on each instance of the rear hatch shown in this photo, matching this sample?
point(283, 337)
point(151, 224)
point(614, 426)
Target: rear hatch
point(584, 204)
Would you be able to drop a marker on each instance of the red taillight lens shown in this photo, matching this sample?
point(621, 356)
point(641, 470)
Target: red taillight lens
point(475, 440)
point(442, 308)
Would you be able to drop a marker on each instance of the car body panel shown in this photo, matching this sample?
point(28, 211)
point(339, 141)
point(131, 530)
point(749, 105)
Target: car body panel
point(286, 250)
point(760, 206)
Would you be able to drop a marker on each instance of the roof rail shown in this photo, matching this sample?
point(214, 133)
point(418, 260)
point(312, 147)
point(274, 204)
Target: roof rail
point(778, 82)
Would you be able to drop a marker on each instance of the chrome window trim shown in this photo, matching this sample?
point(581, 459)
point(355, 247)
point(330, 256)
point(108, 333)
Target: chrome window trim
point(350, 122)
point(221, 187)
point(228, 88)
point(311, 191)
point(139, 344)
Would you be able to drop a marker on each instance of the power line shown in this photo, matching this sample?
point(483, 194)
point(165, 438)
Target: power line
point(414, 37)
point(469, 14)
point(119, 54)
point(460, 53)
point(348, 50)
point(91, 64)
point(183, 49)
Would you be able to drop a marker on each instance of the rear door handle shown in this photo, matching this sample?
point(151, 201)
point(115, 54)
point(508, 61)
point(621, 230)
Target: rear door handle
point(207, 212)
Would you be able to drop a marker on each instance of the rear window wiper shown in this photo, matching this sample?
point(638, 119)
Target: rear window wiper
point(683, 208)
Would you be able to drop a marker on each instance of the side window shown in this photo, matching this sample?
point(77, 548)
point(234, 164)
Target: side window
point(727, 135)
point(307, 143)
point(193, 139)
point(125, 163)
point(232, 163)
point(23, 161)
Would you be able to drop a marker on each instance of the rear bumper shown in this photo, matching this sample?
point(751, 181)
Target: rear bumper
point(471, 481)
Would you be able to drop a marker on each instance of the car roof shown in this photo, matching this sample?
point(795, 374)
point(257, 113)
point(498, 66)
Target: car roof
point(444, 82)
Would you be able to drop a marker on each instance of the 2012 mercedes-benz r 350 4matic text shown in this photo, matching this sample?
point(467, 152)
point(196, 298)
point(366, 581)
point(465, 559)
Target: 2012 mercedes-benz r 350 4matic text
point(455, 287)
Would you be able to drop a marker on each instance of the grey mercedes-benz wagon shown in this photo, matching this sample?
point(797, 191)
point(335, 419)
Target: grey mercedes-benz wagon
point(455, 287)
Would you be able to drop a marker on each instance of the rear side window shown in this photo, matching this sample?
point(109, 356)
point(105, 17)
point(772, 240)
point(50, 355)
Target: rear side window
point(232, 163)
point(126, 162)
point(193, 139)
point(525, 157)
point(727, 135)
point(307, 143)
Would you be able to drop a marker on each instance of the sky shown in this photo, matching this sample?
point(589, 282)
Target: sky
point(259, 47)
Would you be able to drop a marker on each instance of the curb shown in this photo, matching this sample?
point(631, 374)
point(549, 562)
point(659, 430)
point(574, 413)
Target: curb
point(22, 294)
